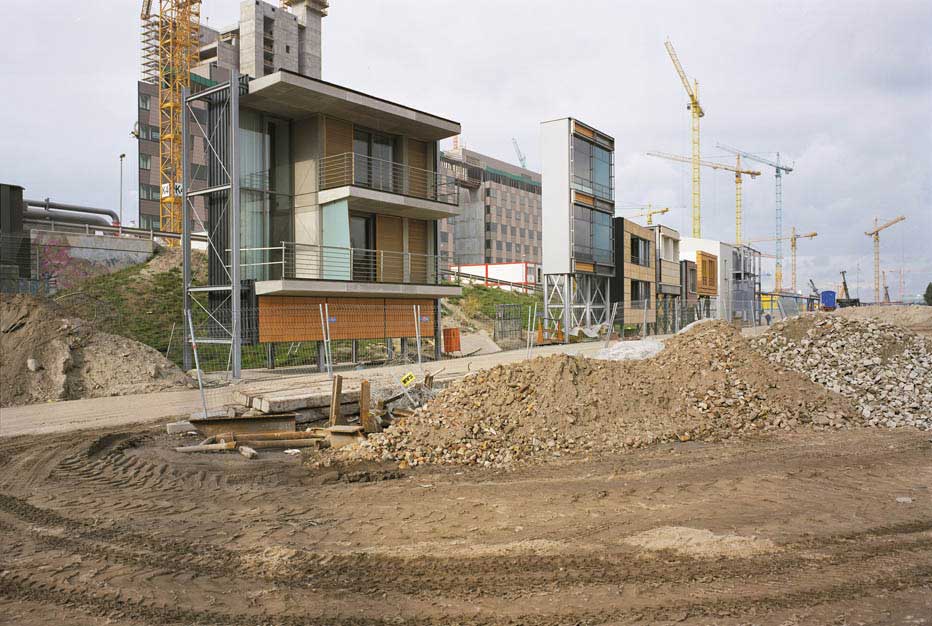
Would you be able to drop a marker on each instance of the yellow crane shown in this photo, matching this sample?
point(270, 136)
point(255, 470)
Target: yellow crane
point(793, 238)
point(649, 212)
point(875, 234)
point(169, 50)
point(696, 112)
point(737, 169)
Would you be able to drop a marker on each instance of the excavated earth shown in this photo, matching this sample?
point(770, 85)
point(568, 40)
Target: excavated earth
point(706, 384)
point(46, 354)
point(802, 527)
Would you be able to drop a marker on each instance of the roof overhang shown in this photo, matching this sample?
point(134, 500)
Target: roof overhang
point(293, 96)
point(349, 288)
point(374, 201)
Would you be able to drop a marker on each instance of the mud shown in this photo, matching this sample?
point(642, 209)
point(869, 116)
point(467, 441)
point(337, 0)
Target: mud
point(114, 527)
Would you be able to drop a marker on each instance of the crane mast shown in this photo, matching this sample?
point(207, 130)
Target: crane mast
point(793, 238)
point(521, 158)
point(875, 235)
point(178, 25)
point(696, 112)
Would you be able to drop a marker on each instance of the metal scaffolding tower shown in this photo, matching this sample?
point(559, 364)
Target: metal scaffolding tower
point(219, 319)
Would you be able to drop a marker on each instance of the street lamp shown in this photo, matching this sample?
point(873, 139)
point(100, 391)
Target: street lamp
point(122, 156)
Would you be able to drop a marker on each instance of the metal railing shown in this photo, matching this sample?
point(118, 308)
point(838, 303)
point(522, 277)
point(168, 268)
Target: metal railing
point(341, 170)
point(314, 262)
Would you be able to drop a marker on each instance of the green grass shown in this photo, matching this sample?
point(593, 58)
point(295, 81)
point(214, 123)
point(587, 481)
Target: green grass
point(481, 300)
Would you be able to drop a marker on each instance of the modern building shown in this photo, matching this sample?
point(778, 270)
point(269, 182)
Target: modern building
point(668, 285)
point(746, 286)
point(340, 200)
point(265, 39)
point(634, 285)
point(578, 205)
point(714, 265)
point(499, 218)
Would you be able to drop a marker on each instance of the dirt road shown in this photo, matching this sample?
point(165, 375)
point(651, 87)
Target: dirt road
point(113, 527)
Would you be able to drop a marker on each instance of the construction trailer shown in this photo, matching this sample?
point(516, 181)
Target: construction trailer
point(634, 285)
point(578, 191)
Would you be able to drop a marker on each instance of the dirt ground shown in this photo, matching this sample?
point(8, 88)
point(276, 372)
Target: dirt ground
point(114, 527)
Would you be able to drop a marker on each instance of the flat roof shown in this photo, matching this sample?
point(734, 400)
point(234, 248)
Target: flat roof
point(294, 96)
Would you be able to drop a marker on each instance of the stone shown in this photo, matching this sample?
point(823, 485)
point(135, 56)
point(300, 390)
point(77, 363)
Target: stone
point(32, 365)
point(248, 452)
point(178, 428)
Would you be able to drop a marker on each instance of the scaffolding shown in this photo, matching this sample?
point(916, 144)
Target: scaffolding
point(223, 293)
point(574, 302)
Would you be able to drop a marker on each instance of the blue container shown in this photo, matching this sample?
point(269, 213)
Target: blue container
point(828, 299)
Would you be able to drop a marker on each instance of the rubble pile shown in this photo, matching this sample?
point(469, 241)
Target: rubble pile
point(706, 384)
point(886, 370)
point(46, 354)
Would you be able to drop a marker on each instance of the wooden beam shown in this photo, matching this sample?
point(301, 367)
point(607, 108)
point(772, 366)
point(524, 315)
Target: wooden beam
point(336, 415)
point(370, 422)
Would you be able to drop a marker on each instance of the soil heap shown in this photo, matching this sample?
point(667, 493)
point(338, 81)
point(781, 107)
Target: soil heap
point(45, 354)
point(912, 316)
point(707, 384)
point(885, 369)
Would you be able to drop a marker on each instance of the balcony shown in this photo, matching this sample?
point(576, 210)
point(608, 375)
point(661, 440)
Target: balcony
point(303, 269)
point(354, 170)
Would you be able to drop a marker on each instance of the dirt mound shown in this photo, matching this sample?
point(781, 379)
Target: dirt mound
point(706, 384)
point(47, 355)
point(883, 368)
point(699, 542)
point(914, 317)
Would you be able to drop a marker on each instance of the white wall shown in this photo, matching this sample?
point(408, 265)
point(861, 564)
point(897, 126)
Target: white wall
point(556, 239)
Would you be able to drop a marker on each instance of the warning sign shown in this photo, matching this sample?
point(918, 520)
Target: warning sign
point(407, 379)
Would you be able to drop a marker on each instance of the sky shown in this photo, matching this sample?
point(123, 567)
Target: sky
point(842, 89)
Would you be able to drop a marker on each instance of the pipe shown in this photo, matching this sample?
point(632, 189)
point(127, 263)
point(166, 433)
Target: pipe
point(63, 216)
point(45, 204)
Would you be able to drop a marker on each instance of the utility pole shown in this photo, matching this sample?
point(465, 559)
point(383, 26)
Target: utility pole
point(122, 156)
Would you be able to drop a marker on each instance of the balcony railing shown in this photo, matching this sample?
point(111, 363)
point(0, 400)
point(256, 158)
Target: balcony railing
point(341, 170)
point(296, 260)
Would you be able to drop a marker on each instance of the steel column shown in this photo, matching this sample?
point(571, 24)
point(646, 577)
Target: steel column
point(236, 348)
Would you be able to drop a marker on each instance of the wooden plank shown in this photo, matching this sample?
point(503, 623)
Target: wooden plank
point(389, 238)
point(336, 415)
point(369, 421)
point(210, 447)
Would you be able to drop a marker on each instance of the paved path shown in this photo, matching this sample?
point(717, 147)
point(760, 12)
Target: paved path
point(97, 412)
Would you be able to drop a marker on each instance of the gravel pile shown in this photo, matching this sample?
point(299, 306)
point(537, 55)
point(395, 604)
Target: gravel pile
point(707, 384)
point(886, 370)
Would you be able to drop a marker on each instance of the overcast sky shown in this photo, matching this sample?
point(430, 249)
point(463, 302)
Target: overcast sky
point(842, 89)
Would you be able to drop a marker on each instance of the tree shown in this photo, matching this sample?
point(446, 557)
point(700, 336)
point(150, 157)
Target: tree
point(928, 294)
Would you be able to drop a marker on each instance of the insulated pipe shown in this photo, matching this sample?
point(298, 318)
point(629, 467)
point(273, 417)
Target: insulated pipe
point(45, 204)
point(64, 216)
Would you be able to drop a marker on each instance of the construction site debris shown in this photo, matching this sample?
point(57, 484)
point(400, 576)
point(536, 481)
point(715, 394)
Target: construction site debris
point(884, 369)
point(707, 384)
point(248, 452)
point(208, 447)
point(627, 350)
point(178, 428)
point(241, 424)
point(914, 317)
point(49, 355)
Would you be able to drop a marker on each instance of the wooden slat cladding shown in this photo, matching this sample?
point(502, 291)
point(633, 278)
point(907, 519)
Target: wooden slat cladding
point(706, 274)
point(297, 318)
point(389, 238)
point(583, 198)
point(418, 160)
point(582, 130)
point(417, 246)
point(338, 136)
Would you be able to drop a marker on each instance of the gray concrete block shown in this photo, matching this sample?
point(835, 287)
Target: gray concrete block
point(178, 428)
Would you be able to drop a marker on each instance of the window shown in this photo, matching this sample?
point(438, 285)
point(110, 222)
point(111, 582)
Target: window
point(640, 251)
point(640, 291)
point(145, 101)
point(149, 221)
point(592, 168)
point(198, 172)
point(592, 235)
point(145, 162)
point(444, 237)
point(507, 246)
point(287, 49)
point(149, 192)
point(691, 279)
point(514, 231)
point(498, 246)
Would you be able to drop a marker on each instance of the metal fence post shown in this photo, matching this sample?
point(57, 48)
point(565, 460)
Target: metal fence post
point(417, 332)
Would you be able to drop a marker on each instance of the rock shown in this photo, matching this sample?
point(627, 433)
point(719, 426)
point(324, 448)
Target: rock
point(178, 428)
point(153, 370)
point(904, 500)
point(32, 365)
point(248, 452)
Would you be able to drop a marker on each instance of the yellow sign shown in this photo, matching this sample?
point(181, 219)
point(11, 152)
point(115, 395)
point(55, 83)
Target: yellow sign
point(407, 379)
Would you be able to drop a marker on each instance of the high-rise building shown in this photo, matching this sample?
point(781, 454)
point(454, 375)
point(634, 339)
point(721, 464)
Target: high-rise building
point(500, 211)
point(267, 38)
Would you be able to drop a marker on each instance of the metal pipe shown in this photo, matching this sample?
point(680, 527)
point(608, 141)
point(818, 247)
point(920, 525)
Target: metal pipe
point(46, 204)
point(64, 216)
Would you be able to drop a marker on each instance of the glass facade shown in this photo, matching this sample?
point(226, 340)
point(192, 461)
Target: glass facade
point(592, 168)
point(266, 207)
point(592, 235)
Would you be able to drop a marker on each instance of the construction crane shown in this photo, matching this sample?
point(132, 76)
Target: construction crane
point(521, 158)
point(696, 112)
point(647, 212)
point(737, 169)
point(793, 238)
point(169, 50)
point(876, 236)
point(778, 169)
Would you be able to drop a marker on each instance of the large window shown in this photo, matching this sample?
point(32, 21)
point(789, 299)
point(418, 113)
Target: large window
point(640, 292)
point(592, 235)
point(640, 251)
point(145, 101)
point(145, 162)
point(149, 192)
point(592, 168)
